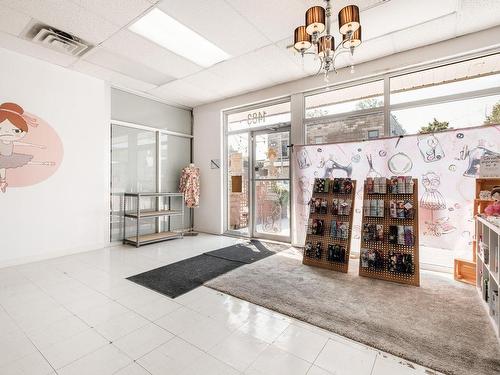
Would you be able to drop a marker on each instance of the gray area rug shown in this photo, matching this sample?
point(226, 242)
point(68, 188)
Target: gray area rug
point(440, 325)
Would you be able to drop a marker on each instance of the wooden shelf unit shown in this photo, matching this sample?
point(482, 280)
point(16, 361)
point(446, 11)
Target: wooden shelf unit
point(465, 269)
point(154, 213)
point(151, 238)
point(487, 269)
point(384, 246)
point(326, 239)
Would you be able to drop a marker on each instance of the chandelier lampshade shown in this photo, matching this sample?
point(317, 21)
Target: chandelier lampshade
point(315, 20)
point(352, 41)
point(326, 45)
point(302, 40)
point(316, 33)
point(349, 19)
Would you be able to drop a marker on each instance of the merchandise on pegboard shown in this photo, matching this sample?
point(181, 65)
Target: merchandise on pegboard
point(329, 226)
point(389, 242)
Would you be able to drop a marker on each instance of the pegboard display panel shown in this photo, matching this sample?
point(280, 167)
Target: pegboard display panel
point(337, 226)
point(390, 245)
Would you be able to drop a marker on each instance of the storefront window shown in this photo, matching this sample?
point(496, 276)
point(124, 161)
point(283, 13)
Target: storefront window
point(352, 128)
point(260, 117)
point(355, 98)
point(454, 96)
point(459, 78)
point(343, 115)
point(451, 115)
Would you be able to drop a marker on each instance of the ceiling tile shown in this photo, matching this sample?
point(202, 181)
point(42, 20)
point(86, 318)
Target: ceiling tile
point(13, 22)
point(121, 64)
point(241, 74)
point(425, 33)
point(150, 54)
point(475, 16)
point(369, 50)
point(184, 93)
point(66, 16)
point(308, 64)
point(120, 12)
point(218, 22)
point(208, 81)
point(115, 78)
point(275, 63)
point(400, 14)
point(277, 19)
point(31, 49)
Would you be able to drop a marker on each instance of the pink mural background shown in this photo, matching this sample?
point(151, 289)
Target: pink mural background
point(444, 163)
point(52, 151)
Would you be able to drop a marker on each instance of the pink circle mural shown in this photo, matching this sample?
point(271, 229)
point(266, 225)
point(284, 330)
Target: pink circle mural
point(30, 149)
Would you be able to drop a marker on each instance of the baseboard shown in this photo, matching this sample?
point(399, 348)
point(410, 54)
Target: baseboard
point(206, 231)
point(50, 255)
point(436, 268)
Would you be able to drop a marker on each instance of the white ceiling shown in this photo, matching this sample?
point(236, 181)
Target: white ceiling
point(255, 34)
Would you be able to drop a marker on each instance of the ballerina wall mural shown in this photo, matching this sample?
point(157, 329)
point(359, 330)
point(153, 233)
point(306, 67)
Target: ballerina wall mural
point(30, 149)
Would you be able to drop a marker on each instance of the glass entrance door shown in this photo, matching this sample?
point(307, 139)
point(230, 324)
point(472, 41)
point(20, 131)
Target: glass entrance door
point(257, 175)
point(271, 184)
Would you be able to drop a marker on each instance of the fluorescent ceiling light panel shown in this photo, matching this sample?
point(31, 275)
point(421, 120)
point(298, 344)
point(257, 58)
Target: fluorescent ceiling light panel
point(162, 29)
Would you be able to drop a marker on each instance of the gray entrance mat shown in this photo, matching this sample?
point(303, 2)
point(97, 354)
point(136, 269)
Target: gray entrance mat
point(181, 277)
point(247, 253)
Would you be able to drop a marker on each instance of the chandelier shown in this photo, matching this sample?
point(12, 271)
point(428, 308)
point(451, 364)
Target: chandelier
point(316, 33)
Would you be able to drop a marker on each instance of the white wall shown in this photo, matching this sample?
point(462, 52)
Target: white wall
point(207, 128)
point(69, 212)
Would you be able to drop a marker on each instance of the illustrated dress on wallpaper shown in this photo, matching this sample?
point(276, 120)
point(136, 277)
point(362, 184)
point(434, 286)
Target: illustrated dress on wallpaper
point(190, 185)
point(433, 200)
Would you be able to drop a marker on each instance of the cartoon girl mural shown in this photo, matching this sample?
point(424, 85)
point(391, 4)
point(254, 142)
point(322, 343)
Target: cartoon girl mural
point(14, 126)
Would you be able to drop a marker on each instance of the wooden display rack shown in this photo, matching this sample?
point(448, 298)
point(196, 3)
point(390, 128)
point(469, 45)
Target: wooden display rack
point(326, 239)
point(465, 270)
point(384, 246)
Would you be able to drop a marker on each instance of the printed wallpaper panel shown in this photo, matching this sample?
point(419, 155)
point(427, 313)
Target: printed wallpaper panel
point(444, 163)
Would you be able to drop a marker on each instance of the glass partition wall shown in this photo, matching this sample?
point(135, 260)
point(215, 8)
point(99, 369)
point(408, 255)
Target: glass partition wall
point(257, 175)
point(145, 160)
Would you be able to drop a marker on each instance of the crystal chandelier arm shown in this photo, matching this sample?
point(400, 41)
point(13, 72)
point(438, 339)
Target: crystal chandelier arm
point(341, 51)
point(320, 66)
point(339, 45)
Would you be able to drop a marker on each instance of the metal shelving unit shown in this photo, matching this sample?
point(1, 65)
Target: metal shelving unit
point(163, 209)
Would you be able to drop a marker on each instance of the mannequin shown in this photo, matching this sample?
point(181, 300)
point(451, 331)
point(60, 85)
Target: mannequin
point(189, 185)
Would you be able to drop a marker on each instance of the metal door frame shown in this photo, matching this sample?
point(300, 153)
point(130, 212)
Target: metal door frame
point(253, 181)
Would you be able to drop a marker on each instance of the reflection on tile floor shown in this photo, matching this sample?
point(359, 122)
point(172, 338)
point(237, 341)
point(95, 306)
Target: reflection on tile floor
point(78, 315)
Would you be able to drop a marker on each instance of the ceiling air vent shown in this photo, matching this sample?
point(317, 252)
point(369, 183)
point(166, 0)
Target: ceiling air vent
point(56, 39)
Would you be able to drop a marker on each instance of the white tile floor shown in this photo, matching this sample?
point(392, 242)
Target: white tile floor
point(78, 315)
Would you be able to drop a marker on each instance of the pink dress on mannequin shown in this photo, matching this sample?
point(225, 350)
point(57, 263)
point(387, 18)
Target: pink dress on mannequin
point(190, 185)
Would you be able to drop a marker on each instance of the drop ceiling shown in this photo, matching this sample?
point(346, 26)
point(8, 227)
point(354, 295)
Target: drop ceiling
point(255, 34)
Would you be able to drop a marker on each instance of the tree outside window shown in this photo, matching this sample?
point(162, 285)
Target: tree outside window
point(435, 126)
point(494, 116)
